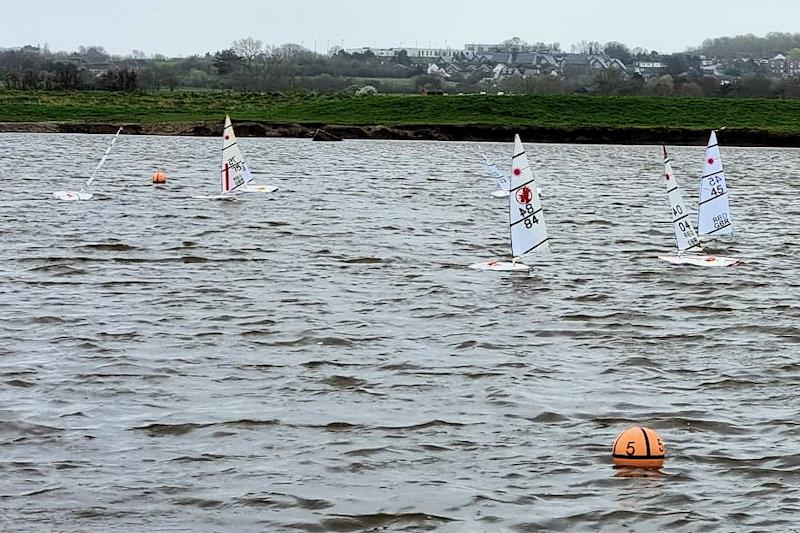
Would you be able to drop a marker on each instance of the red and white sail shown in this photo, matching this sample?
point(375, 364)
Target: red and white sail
point(713, 210)
point(234, 172)
point(684, 231)
point(525, 216)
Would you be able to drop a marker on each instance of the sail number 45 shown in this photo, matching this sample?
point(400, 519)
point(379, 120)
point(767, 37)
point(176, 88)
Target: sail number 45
point(529, 222)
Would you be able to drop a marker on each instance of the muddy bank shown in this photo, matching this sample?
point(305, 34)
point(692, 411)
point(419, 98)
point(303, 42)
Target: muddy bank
point(588, 135)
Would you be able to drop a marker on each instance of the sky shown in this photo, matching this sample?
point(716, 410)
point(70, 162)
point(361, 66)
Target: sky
point(187, 27)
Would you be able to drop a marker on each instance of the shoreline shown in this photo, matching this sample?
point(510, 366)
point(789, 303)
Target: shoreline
point(426, 132)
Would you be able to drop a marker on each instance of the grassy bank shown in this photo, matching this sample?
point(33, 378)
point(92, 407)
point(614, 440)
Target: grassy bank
point(550, 111)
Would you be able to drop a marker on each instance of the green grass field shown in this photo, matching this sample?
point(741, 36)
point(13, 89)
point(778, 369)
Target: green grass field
point(488, 110)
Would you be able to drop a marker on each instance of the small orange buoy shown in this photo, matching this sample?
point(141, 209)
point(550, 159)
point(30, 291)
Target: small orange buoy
point(159, 177)
point(639, 447)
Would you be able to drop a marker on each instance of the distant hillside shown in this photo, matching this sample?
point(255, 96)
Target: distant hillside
point(761, 47)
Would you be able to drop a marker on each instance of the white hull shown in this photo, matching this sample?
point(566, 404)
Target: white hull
point(700, 260)
point(214, 197)
point(71, 196)
point(500, 193)
point(256, 189)
point(503, 266)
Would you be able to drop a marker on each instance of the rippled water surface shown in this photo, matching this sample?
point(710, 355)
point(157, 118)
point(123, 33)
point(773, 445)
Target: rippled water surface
point(321, 359)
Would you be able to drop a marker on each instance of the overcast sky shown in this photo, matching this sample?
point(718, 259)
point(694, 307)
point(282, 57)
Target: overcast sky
point(186, 27)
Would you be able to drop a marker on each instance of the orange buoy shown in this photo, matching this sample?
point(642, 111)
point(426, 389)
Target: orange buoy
point(639, 447)
point(159, 177)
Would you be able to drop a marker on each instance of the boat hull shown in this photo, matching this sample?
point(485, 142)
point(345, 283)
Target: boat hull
point(500, 266)
point(257, 189)
point(214, 197)
point(72, 196)
point(700, 260)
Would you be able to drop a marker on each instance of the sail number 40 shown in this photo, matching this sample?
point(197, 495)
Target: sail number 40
point(529, 222)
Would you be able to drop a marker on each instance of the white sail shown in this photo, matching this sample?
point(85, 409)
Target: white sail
point(102, 159)
point(502, 179)
point(713, 210)
point(525, 217)
point(233, 170)
point(684, 231)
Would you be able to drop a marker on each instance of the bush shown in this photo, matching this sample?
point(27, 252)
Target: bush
point(367, 90)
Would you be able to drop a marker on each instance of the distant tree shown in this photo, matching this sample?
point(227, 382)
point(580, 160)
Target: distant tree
point(608, 81)
point(248, 48)
point(789, 88)
point(794, 54)
point(138, 57)
point(367, 90)
point(67, 76)
point(402, 58)
point(618, 51)
point(119, 79)
point(755, 87)
point(677, 63)
point(587, 47)
point(690, 89)
point(709, 86)
point(515, 44)
point(291, 50)
point(634, 85)
point(226, 61)
point(197, 78)
point(93, 54)
point(428, 82)
point(752, 45)
point(546, 47)
point(660, 86)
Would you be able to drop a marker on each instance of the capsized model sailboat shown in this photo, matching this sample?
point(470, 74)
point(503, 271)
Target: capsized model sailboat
point(525, 218)
point(689, 249)
point(235, 175)
point(82, 194)
point(713, 209)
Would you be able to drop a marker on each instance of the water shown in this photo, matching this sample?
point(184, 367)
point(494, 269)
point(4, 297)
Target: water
point(321, 359)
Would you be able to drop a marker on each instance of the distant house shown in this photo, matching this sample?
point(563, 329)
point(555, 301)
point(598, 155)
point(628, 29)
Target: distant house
point(525, 59)
point(573, 62)
point(502, 71)
point(415, 55)
point(649, 69)
point(546, 61)
point(452, 69)
point(781, 66)
point(598, 62)
point(436, 70)
point(497, 57)
point(476, 49)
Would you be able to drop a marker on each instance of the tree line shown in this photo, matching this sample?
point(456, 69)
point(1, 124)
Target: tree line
point(249, 65)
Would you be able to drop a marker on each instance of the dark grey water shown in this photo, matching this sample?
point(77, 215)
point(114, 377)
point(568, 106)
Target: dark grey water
point(321, 359)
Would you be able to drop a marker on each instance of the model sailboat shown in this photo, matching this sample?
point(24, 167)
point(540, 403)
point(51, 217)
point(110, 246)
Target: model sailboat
point(82, 194)
point(689, 249)
point(525, 218)
point(235, 175)
point(713, 209)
